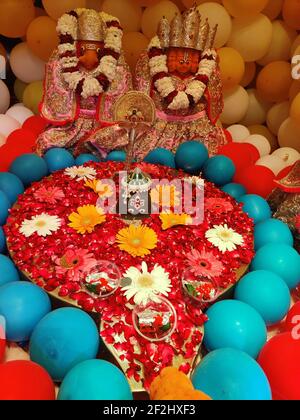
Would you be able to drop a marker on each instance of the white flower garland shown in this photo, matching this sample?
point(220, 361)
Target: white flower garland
point(166, 85)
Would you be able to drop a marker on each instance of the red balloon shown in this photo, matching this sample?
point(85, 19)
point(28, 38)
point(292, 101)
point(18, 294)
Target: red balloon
point(283, 173)
point(242, 155)
point(36, 124)
point(18, 142)
point(25, 380)
point(280, 360)
point(292, 322)
point(228, 136)
point(256, 179)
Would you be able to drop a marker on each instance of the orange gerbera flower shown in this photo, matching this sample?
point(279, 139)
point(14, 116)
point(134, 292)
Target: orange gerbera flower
point(137, 240)
point(101, 188)
point(86, 219)
point(170, 220)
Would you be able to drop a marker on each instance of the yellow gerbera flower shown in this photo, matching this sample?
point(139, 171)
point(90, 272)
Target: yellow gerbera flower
point(137, 240)
point(101, 188)
point(170, 219)
point(165, 196)
point(86, 218)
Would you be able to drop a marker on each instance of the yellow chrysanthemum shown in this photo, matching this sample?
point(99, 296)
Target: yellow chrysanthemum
point(137, 240)
point(101, 188)
point(165, 196)
point(170, 219)
point(86, 218)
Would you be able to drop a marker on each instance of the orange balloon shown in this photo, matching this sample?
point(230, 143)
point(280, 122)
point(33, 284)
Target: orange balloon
point(295, 109)
point(249, 74)
point(274, 81)
point(232, 67)
point(291, 13)
point(134, 43)
point(42, 38)
point(127, 11)
point(245, 8)
point(56, 8)
point(294, 89)
point(273, 9)
point(15, 16)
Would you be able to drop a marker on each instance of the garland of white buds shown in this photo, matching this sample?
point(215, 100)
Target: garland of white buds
point(165, 84)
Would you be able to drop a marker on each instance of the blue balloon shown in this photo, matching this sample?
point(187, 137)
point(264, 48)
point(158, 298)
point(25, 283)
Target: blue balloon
point(282, 260)
point(267, 293)
point(86, 157)
point(2, 240)
point(23, 305)
point(58, 159)
point(256, 207)
point(229, 374)
point(11, 185)
point(272, 231)
point(98, 379)
point(8, 271)
point(219, 169)
point(191, 156)
point(237, 325)
point(235, 190)
point(29, 168)
point(161, 156)
point(116, 156)
point(4, 207)
point(62, 339)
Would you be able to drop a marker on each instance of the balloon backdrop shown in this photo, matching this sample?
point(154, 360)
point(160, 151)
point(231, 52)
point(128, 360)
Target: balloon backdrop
point(117, 156)
point(82, 159)
point(272, 230)
point(4, 207)
point(62, 339)
point(234, 324)
point(256, 207)
point(267, 293)
point(2, 240)
point(11, 185)
point(191, 156)
point(57, 159)
point(219, 170)
point(23, 305)
point(29, 168)
point(9, 272)
point(162, 157)
point(235, 190)
point(99, 380)
point(230, 374)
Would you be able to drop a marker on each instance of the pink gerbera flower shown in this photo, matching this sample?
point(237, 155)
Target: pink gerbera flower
point(219, 205)
point(204, 264)
point(49, 195)
point(74, 263)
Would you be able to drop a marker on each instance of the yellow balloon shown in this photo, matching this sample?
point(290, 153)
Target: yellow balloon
point(153, 14)
point(232, 67)
point(42, 38)
point(289, 134)
point(281, 43)
point(217, 14)
point(251, 36)
point(273, 9)
point(134, 43)
point(295, 109)
point(294, 89)
point(274, 81)
point(257, 109)
point(127, 11)
point(236, 103)
point(264, 131)
point(15, 16)
point(249, 74)
point(19, 88)
point(56, 8)
point(277, 115)
point(33, 95)
point(295, 45)
point(291, 13)
point(244, 8)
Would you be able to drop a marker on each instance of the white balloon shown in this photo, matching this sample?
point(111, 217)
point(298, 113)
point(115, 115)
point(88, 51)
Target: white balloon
point(2, 140)
point(20, 113)
point(288, 155)
point(4, 97)
point(238, 132)
point(8, 125)
point(257, 109)
point(261, 144)
point(236, 103)
point(25, 65)
point(272, 162)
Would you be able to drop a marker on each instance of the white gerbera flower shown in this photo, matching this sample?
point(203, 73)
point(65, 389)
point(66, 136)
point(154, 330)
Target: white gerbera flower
point(43, 224)
point(81, 172)
point(224, 238)
point(145, 285)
